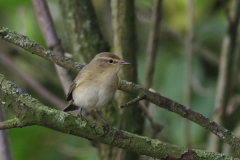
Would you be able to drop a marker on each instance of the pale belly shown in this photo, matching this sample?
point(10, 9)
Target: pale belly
point(92, 98)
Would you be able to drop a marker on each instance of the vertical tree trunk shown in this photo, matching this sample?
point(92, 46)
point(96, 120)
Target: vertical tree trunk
point(87, 40)
point(188, 70)
point(123, 22)
point(83, 30)
point(226, 78)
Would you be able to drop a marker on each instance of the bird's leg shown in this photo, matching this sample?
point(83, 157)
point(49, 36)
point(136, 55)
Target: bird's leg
point(103, 119)
point(80, 113)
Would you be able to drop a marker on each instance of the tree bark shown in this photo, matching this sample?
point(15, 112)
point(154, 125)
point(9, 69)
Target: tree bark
point(53, 42)
point(227, 78)
point(83, 30)
point(188, 70)
point(29, 111)
point(5, 149)
point(123, 22)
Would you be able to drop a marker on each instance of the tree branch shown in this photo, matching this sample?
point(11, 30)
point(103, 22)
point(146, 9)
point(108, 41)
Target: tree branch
point(53, 42)
point(188, 69)
point(129, 87)
point(13, 123)
point(33, 47)
point(124, 44)
point(54, 100)
point(155, 126)
point(5, 149)
point(204, 52)
point(227, 78)
point(153, 43)
point(30, 112)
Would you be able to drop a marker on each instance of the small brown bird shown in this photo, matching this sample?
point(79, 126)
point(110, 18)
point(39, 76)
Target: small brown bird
point(96, 84)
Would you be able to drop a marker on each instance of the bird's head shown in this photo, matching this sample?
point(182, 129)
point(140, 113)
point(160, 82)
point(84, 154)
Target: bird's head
point(108, 62)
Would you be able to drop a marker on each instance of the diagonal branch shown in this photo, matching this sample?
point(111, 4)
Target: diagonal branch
point(54, 100)
point(30, 112)
point(50, 35)
point(33, 47)
point(129, 87)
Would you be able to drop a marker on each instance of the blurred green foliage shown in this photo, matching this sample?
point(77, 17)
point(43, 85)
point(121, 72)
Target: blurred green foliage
point(210, 25)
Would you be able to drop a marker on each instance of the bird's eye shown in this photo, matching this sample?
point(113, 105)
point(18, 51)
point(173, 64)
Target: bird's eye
point(110, 61)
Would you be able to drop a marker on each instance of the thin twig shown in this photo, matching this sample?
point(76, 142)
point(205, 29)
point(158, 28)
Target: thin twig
point(155, 126)
point(226, 11)
point(53, 42)
point(227, 76)
point(5, 149)
point(153, 43)
point(32, 83)
point(204, 52)
point(201, 90)
point(188, 69)
point(151, 57)
point(233, 104)
point(139, 98)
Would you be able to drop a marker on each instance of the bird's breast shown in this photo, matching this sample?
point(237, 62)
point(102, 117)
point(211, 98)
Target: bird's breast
point(95, 95)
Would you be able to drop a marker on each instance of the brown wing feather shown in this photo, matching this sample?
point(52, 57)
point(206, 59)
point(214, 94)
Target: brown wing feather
point(74, 84)
point(69, 95)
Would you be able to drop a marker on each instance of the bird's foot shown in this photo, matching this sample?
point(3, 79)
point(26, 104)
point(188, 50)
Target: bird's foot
point(80, 116)
point(108, 125)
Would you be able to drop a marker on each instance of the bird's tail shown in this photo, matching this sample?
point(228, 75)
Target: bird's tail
point(70, 107)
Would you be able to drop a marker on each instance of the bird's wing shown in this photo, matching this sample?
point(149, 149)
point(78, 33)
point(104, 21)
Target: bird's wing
point(79, 79)
point(72, 87)
point(82, 75)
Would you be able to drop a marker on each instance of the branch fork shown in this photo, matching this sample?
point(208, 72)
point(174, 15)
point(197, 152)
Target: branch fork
point(140, 97)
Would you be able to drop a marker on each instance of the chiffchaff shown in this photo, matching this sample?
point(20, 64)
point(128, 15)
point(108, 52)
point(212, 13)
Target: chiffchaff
point(96, 84)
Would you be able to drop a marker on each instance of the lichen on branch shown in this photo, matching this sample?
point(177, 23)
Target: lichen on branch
point(33, 47)
point(150, 95)
point(30, 111)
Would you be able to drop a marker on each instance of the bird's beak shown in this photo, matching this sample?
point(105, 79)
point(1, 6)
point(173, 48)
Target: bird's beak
point(123, 63)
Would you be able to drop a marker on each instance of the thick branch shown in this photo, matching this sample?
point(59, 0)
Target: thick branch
point(13, 123)
point(30, 112)
point(132, 88)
